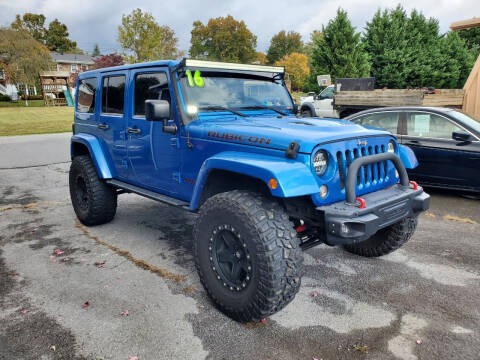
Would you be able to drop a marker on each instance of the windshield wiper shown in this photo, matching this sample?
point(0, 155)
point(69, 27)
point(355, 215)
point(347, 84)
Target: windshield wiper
point(263, 107)
point(218, 107)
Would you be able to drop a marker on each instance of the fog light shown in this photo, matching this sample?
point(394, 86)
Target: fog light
point(323, 191)
point(345, 229)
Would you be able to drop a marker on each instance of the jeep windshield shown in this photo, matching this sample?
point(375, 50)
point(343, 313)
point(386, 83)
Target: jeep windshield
point(234, 92)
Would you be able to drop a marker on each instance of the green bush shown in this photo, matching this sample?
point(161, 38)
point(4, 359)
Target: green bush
point(5, 98)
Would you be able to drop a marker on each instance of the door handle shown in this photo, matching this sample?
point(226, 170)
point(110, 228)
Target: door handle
point(134, 130)
point(103, 126)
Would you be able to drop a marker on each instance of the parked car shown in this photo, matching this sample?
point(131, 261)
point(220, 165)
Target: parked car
point(319, 105)
point(223, 140)
point(445, 141)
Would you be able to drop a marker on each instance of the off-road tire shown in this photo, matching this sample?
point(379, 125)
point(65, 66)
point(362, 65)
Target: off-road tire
point(306, 113)
point(94, 201)
point(271, 241)
point(385, 240)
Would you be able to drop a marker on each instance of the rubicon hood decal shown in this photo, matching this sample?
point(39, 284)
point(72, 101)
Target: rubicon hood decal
point(238, 137)
point(278, 133)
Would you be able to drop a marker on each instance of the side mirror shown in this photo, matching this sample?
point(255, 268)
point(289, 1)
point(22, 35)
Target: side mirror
point(159, 110)
point(461, 135)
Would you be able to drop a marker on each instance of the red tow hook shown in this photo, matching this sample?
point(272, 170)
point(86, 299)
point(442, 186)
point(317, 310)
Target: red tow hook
point(414, 185)
point(301, 228)
point(361, 203)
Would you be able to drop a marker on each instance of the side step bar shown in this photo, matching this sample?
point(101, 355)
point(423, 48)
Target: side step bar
point(147, 193)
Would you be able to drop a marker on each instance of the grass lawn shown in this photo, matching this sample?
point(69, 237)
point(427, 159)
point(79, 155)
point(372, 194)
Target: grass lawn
point(35, 120)
point(21, 103)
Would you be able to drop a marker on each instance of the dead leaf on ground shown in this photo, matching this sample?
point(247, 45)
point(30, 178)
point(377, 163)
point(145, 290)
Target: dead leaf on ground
point(24, 311)
point(459, 219)
point(429, 214)
point(58, 252)
point(124, 313)
point(85, 304)
point(361, 348)
point(53, 347)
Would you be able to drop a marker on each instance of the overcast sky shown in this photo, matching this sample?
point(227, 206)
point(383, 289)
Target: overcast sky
point(96, 21)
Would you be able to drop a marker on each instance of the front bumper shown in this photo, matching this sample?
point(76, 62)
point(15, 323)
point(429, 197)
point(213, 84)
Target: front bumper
point(346, 224)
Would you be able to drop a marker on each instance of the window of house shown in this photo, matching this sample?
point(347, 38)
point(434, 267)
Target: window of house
point(73, 67)
point(385, 121)
point(113, 91)
point(84, 67)
point(150, 86)
point(86, 95)
point(429, 125)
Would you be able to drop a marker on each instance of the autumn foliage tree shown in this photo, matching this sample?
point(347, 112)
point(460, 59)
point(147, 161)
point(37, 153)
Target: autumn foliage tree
point(143, 39)
point(296, 65)
point(223, 39)
point(22, 57)
point(284, 43)
point(107, 61)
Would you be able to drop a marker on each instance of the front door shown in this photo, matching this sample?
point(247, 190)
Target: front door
point(323, 103)
point(153, 155)
point(442, 160)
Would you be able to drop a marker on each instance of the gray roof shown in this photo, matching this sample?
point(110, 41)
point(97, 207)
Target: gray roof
point(72, 58)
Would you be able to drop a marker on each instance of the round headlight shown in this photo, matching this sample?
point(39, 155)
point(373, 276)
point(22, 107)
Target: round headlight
point(320, 162)
point(391, 147)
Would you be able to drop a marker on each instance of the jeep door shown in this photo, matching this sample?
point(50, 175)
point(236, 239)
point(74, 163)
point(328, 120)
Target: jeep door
point(153, 154)
point(111, 124)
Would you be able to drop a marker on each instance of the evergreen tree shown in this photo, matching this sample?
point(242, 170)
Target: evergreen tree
point(283, 44)
point(408, 52)
point(339, 52)
point(57, 38)
point(472, 39)
point(96, 51)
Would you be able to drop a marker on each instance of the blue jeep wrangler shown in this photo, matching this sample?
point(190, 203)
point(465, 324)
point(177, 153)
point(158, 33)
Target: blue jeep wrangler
point(223, 140)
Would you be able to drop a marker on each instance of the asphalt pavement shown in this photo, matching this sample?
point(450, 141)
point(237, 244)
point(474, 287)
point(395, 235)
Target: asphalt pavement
point(129, 288)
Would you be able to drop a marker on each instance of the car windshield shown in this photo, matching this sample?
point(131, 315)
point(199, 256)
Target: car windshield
point(213, 91)
point(467, 120)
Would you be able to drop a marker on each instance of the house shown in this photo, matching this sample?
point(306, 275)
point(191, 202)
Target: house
point(73, 63)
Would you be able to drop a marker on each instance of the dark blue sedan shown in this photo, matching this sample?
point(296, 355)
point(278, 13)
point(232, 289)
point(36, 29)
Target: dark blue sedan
point(445, 141)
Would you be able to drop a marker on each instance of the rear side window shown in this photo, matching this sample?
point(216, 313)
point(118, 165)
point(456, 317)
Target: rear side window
point(150, 86)
point(86, 95)
point(113, 94)
point(385, 121)
point(430, 125)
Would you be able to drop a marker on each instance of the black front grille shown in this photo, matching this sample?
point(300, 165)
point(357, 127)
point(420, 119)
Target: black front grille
point(368, 173)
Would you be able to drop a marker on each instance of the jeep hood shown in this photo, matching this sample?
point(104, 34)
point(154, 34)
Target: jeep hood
point(277, 133)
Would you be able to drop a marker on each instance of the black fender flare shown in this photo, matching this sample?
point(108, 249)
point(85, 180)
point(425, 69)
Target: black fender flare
point(308, 106)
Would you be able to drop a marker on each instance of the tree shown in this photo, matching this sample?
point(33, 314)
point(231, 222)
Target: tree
point(108, 61)
point(34, 24)
point(408, 51)
point(283, 44)
point(57, 38)
point(296, 65)
point(339, 52)
point(96, 51)
point(261, 58)
point(472, 39)
point(315, 35)
point(22, 57)
point(223, 39)
point(143, 39)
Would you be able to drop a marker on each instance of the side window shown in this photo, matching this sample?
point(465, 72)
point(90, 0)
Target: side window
point(86, 95)
point(385, 121)
point(430, 125)
point(113, 92)
point(327, 93)
point(150, 86)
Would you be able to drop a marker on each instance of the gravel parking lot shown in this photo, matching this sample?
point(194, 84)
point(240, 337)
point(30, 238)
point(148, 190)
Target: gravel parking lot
point(137, 276)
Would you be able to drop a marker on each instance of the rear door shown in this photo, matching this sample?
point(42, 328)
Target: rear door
point(112, 121)
point(442, 160)
point(387, 120)
point(153, 155)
